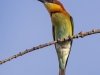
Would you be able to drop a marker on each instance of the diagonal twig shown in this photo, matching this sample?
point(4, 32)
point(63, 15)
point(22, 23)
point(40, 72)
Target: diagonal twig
point(81, 34)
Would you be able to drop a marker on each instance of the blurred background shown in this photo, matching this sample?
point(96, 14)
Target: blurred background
point(26, 23)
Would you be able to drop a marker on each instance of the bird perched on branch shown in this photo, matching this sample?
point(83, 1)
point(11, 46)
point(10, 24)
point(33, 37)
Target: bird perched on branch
point(62, 27)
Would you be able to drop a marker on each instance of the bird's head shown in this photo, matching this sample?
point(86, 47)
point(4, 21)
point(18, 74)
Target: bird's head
point(53, 5)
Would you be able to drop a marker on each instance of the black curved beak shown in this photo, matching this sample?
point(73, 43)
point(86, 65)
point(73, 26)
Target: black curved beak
point(50, 1)
point(42, 1)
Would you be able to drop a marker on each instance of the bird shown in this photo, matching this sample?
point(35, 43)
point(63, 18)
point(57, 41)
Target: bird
point(62, 27)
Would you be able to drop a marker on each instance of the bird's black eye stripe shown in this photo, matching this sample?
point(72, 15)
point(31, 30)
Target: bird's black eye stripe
point(52, 1)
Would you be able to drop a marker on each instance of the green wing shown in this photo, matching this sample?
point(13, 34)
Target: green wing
point(72, 23)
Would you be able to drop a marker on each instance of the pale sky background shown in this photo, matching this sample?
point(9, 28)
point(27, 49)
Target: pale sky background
point(26, 23)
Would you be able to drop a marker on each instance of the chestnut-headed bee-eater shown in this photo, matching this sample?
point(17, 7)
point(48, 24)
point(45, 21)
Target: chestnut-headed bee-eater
point(62, 27)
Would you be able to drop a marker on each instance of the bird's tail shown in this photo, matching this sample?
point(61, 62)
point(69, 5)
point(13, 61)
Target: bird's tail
point(61, 72)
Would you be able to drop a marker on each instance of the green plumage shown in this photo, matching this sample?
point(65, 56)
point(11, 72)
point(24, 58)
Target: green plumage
point(62, 28)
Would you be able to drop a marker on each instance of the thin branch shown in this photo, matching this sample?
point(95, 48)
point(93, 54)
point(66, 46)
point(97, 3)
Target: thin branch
point(81, 34)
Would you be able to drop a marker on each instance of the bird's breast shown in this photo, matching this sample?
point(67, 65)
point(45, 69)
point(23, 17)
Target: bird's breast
point(61, 25)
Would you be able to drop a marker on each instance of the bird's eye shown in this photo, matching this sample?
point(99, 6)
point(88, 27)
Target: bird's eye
point(54, 1)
